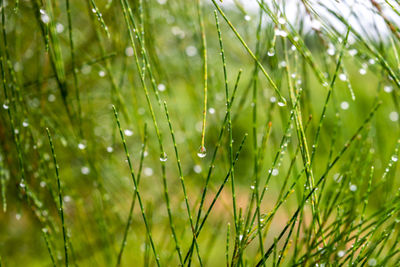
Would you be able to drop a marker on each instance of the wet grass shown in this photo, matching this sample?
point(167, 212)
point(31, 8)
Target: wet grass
point(198, 133)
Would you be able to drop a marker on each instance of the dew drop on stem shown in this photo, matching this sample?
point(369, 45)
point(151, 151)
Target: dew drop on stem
point(202, 152)
point(271, 52)
point(163, 157)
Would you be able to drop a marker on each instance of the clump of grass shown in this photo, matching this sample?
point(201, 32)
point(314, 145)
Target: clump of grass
point(300, 168)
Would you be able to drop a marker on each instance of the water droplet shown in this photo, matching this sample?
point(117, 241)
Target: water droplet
point(252, 187)
point(81, 146)
point(341, 253)
point(281, 104)
point(59, 28)
point(102, 73)
point(86, 69)
point(67, 199)
point(271, 52)
point(211, 110)
point(394, 116)
point(16, 131)
point(282, 64)
point(42, 184)
point(371, 61)
point(353, 187)
point(197, 168)
point(45, 230)
point(281, 20)
point(18, 216)
point(272, 99)
point(51, 98)
point(281, 33)
point(344, 105)
point(191, 51)
point(148, 171)
point(372, 262)
point(275, 172)
point(110, 149)
point(128, 132)
point(161, 87)
point(163, 157)
point(85, 170)
point(353, 52)
point(22, 184)
point(331, 49)
point(178, 32)
point(25, 124)
point(129, 51)
point(240, 237)
point(362, 71)
point(247, 18)
point(342, 77)
point(202, 152)
point(5, 106)
point(44, 17)
point(388, 89)
point(395, 158)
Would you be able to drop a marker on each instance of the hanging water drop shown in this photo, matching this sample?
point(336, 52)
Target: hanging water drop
point(44, 17)
point(163, 157)
point(271, 52)
point(202, 152)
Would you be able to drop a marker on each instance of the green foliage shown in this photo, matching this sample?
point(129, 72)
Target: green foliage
point(195, 133)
